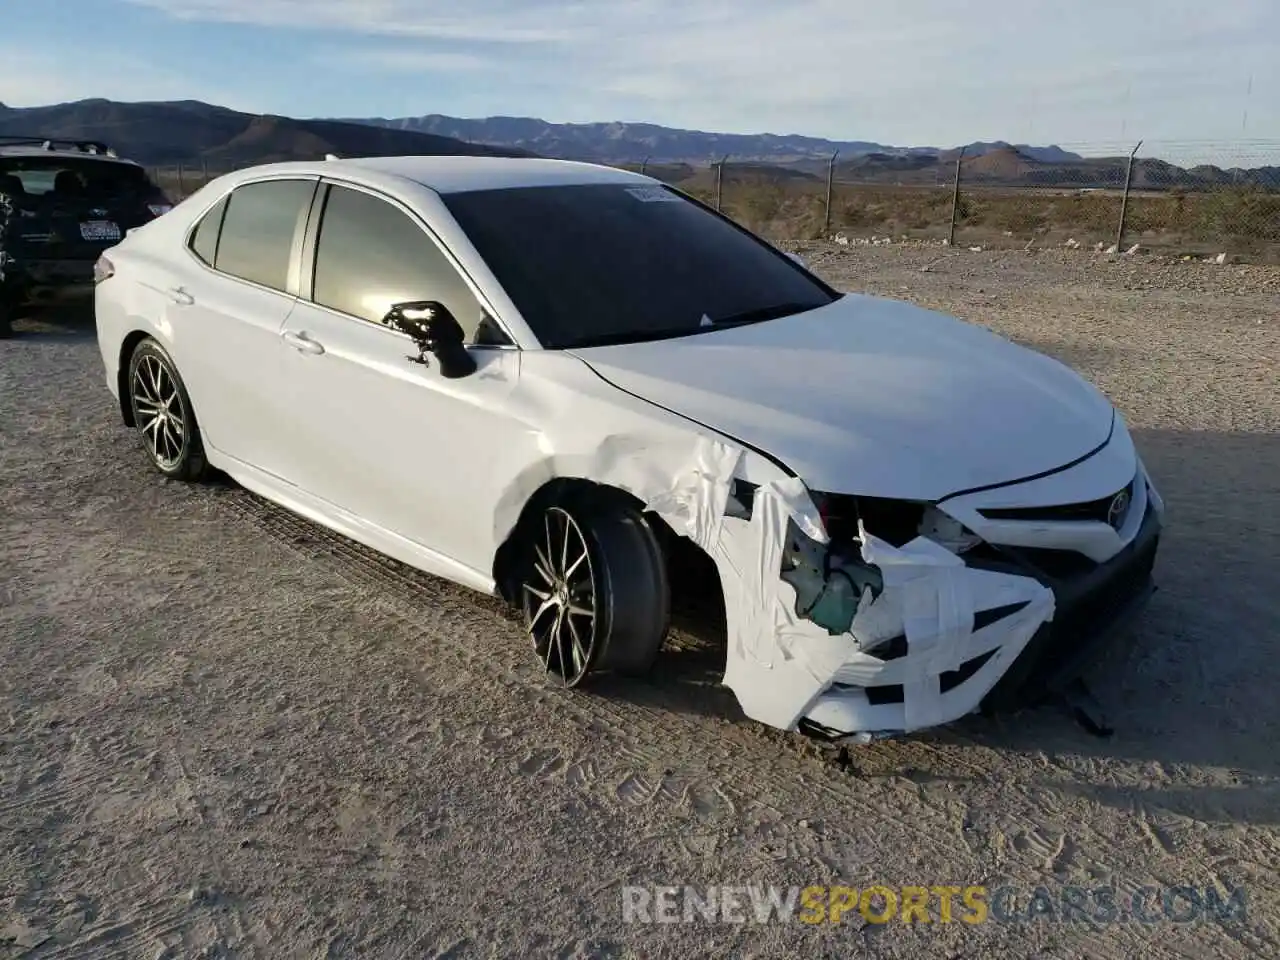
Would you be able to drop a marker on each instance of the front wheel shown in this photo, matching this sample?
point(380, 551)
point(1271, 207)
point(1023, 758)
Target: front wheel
point(163, 415)
point(593, 590)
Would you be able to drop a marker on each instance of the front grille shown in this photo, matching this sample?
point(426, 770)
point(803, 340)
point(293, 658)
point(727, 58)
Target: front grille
point(1093, 510)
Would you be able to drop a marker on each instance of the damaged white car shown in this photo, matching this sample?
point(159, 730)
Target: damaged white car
point(545, 379)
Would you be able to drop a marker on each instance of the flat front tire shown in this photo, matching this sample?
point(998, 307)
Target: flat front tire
point(163, 415)
point(593, 590)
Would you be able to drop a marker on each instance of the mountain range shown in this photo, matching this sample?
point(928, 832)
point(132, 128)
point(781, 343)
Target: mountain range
point(189, 131)
point(635, 142)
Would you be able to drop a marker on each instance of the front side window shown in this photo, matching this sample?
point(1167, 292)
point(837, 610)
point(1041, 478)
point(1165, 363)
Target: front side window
point(371, 255)
point(258, 229)
point(620, 263)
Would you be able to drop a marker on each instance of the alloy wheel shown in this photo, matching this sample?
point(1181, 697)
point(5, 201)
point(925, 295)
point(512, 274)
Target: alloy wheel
point(159, 412)
point(559, 598)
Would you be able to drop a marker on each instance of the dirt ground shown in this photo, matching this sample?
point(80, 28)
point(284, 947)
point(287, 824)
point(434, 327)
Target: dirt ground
point(224, 732)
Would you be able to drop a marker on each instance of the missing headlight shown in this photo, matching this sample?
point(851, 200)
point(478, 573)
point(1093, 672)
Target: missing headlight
point(831, 581)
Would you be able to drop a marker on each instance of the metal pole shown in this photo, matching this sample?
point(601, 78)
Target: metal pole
point(720, 180)
point(644, 165)
point(955, 201)
point(1124, 199)
point(831, 176)
point(182, 185)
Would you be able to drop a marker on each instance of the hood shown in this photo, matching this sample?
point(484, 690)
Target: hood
point(873, 396)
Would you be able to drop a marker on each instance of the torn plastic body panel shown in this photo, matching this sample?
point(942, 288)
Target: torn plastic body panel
point(856, 636)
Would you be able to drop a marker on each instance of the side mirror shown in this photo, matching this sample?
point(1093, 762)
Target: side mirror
point(433, 329)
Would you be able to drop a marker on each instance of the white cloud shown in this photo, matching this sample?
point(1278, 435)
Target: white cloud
point(910, 71)
point(399, 60)
point(486, 21)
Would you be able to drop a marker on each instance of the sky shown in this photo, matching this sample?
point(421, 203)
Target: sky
point(903, 72)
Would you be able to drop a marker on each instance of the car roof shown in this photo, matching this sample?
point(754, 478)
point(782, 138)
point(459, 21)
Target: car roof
point(33, 151)
point(463, 174)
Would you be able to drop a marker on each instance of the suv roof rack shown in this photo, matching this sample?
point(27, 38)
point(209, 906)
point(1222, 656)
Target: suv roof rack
point(96, 147)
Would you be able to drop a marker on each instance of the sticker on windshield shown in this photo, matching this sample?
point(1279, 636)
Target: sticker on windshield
point(653, 195)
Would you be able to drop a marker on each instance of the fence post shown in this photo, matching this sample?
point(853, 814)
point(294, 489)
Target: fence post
point(1124, 198)
point(182, 184)
point(720, 180)
point(955, 201)
point(831, 176)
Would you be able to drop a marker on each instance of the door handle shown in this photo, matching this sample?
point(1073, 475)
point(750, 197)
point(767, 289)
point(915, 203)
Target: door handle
point(180, 295)
point(302, 343)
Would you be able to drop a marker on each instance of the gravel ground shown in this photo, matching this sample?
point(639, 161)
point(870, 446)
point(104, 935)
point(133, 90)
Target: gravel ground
point(224, 732)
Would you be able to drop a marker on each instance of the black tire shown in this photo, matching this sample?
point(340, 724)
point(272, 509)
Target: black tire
point(163, 415)
point(630, 599)
point(8, 272)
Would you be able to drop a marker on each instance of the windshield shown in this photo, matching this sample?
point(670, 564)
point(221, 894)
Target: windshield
point(620, 263)
point(68, 178)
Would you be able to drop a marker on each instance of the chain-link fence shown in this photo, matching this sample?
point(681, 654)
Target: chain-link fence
point(1182, 198)
point(180, 180)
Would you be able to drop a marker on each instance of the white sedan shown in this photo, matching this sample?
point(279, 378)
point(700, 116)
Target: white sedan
point(560, 383)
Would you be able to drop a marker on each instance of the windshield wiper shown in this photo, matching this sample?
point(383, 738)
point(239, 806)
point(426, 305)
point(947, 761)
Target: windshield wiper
point(760, 314)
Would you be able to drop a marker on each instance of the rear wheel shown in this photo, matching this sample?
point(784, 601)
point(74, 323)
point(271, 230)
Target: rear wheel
point(593, 590)
point(163, 414)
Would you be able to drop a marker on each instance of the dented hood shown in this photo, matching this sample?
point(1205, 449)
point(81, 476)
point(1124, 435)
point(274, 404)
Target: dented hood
point(874, 397)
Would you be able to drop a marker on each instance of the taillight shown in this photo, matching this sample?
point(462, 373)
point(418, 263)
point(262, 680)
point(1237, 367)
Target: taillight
point(159, 209)
point(103, 269)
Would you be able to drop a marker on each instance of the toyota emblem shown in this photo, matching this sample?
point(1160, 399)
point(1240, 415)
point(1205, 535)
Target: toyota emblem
point(1118, 510)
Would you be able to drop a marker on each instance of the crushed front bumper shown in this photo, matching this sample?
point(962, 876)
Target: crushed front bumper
point(1093, 609)
point(1016, 653)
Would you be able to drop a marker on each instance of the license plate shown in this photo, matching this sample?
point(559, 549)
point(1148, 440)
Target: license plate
point(100, 230)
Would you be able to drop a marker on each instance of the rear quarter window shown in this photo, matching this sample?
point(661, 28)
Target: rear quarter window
point(204, 239)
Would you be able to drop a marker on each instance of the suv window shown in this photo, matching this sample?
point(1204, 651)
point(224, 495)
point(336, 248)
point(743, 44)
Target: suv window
point(371, 255)
point(258, 228)
point(78, 178)
point(204, 241)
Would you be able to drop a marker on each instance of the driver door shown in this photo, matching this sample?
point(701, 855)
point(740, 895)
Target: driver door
point(378, 435)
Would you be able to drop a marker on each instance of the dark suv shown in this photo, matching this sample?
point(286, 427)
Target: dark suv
point(62, 202)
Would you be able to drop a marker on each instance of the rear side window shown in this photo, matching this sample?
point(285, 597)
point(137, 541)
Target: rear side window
point(371, 255)
point(204, 242)
point(258, 230)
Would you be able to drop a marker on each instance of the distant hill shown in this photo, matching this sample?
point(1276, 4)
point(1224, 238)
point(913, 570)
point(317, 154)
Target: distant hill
point(633, 142)
point(189, 131)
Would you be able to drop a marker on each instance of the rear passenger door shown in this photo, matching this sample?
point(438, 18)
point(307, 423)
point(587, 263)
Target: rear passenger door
point(227, 313)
